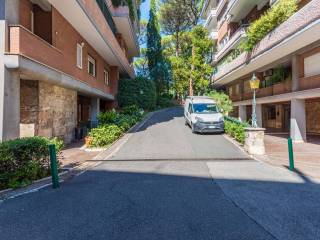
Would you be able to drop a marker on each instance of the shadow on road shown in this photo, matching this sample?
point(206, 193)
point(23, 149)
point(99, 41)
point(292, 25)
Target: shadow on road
point(135, 204)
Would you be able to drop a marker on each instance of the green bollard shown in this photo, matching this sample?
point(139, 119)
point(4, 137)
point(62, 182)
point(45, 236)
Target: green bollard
point(54, 166)
point(290, 149)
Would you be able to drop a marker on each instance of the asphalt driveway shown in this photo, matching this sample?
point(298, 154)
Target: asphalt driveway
point(167, 183)
point(165, 137)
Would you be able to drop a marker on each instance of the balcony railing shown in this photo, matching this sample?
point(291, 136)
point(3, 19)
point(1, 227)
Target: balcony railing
point(107, 15)
point(276, 89)
point(233, 41)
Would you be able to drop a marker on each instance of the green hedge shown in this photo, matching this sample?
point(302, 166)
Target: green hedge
point(113, 124)
point(235, 128)
point(139, 91)
point(276, 15)
point(104, 135)
point(25, 160)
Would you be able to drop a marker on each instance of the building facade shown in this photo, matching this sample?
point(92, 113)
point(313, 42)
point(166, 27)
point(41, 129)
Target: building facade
point(287, 62)
point(60, 63)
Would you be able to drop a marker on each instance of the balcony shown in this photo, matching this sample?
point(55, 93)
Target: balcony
point(127, 26)
point(213, 35)
point(92, 21)
point(211, 22)
point(23, 42)
point(300, 30)
point(37, 59)
point(220, 6)
point(233, 42)
point(276, 89)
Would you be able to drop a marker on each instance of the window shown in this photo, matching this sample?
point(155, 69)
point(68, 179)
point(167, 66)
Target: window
point(106, 77)
point(32, 21)
point(79, 56)
point(91, 66)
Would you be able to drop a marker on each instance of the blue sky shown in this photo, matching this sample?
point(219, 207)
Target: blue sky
point(145, 9)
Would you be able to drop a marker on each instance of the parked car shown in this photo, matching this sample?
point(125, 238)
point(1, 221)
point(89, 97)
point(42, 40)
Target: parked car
point(202, 115)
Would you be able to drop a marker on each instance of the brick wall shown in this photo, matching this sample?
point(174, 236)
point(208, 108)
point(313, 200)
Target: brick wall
point(62, 54)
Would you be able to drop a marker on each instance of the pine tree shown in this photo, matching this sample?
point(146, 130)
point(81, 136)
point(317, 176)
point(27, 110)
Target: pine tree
point(157, 65)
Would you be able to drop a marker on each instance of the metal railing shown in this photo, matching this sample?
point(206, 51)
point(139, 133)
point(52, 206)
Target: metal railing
point(107, 15)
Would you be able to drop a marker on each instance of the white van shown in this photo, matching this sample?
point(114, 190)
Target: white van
point(202, 115)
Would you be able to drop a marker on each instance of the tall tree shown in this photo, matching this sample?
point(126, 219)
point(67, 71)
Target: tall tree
point(156, 63)
point(174, 19)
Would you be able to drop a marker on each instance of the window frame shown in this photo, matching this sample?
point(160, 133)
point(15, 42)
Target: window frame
point(94, 63)
point(32, 21)
point(80, 47)
point(106, 76)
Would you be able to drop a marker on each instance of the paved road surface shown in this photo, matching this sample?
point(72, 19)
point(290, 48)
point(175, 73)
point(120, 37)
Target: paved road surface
point(139, 199)
point(165, 136)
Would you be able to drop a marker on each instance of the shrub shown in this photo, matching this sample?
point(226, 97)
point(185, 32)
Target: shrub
point(164, 102)
point(104, 135)
point(25, 160)
point(130, 110)
point(139, 91)
point(223, 101)
point(235, 129)
point(276, 15)
point(107, 117)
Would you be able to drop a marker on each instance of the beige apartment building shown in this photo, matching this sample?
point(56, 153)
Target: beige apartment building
point(287, 62)
point(60, 63)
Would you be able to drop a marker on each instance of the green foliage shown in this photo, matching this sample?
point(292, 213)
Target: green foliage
point(165, 102)
point(223, 101)
point(130, 110)
point(202, 51)
point(276, 15)
point(158, 66)
point(139, 91)
point(107, 117)
point(112, 124)
point(181, 65)
point(104, 135)
point(235, 129)
point(25, 160)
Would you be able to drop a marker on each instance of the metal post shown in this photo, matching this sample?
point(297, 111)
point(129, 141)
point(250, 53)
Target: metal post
point(54, 166)
point(290, 150)
point(254, 116)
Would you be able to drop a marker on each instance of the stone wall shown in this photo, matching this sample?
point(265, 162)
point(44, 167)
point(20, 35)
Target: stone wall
point(29, 106)
point(313, 116)
point(57, 111)
point(47, 110)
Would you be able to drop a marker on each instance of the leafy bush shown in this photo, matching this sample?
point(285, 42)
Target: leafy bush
point(25, 160)
point(107, 117)
point(164, 102)
point(276, 15)
point(235, 128)
point(104, 135)
point(223, 101)
point(130, 110)
point(139, 91)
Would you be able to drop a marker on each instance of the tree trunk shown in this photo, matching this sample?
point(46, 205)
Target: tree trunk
point(177, 44)
point(192, 70)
